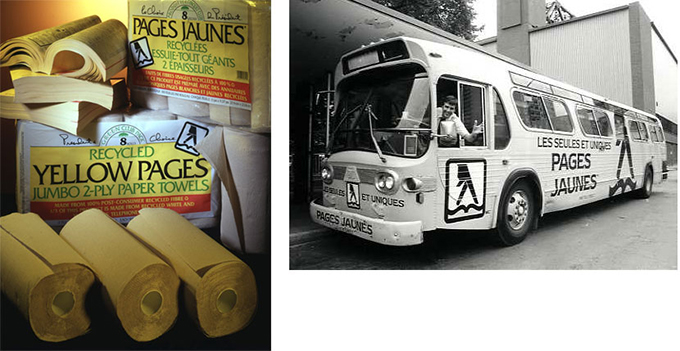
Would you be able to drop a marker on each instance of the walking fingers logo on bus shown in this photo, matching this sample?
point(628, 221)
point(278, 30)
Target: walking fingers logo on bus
point(626, 182)
point(465, 190)
point(353, 195)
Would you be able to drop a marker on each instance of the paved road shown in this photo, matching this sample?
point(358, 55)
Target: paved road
point(621, 233)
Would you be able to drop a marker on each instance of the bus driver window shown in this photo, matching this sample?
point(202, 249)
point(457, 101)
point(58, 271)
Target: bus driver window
point(464, 129)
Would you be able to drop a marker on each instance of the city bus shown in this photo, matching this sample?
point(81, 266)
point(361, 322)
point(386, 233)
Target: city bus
point(544, 146)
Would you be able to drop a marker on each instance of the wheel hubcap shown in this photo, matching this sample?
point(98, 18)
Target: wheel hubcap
point(518, 209)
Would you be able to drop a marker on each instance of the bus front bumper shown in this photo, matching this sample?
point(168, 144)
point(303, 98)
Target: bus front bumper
point(373, 229)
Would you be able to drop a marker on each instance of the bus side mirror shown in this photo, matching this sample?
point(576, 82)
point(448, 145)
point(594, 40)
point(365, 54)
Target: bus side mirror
point(317, 96)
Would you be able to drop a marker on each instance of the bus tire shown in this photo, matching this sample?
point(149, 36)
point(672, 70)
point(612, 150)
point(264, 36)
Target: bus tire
point(646, 191)
point(516, 214)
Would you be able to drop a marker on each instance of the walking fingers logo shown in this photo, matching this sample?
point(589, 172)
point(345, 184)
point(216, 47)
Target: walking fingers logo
point(626, 182)
point(140, 52)
point(190, 135)
point(465, 190)
point(353, 195)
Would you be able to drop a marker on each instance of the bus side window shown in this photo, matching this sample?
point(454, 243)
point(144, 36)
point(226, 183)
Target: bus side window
point(501, 128)
point(643, 132)
point(559, 115)
point(659, 132)
point(634, 131)
point(652, 134)
point(603, 123)
point(472, 110)
point(531, 110)
point(587, 121)
point(619, 124)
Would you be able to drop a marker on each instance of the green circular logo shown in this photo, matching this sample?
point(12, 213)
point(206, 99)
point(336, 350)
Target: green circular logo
point(121, 135)
point(186, 10)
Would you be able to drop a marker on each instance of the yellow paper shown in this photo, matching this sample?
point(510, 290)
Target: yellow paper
point(44, 277)
point(141, 287)
point(220, 290)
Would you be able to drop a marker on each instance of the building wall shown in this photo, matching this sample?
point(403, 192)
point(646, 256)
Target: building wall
point(580, 53)
point(641, 58)
point(491, 46)
point(665, 80)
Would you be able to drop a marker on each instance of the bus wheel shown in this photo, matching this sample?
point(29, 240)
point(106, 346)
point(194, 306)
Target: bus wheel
point(646, 190)
point(516, 214)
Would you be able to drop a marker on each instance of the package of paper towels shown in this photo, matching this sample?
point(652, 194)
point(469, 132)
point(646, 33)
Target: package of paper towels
point(213, 52)
point(220, 290)
point(45, 277)
point(149, 160)
point(141, 287)
point(242, 160)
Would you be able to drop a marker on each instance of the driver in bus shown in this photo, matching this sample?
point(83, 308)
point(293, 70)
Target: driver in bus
point(448, 113)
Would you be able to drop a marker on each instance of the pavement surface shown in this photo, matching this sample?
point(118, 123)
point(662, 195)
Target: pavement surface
point(619, 233)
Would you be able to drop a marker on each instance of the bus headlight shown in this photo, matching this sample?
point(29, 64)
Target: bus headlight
point(412, 184)
point(389, 182)
point(327, 174)
point(386, 182)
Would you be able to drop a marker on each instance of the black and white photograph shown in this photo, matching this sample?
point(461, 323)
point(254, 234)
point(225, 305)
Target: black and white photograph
point(482, 135)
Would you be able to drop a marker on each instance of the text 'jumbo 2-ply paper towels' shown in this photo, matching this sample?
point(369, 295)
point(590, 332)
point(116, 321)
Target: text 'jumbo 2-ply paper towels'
point(119, 167)
point(140, 286)
point(44, 277)
point(220, 290)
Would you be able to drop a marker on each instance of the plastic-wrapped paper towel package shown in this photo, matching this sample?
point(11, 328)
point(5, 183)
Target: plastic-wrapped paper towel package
point(242, 162)
point(201, 54)
point(149, 160)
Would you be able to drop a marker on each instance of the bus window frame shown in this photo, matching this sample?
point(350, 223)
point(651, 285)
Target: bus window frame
point(485, 134)
point(659, 132)
point(645, 135)
point(548, 97)
point(521, 121)
point(623, 122)
point(608, 119)
point(653, 137)
point(458, 80)
point(599, 133)
point(630, 127)
point(497, 95)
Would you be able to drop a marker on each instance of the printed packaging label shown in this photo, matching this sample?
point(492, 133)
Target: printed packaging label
point(118, 168)
point(196, 50)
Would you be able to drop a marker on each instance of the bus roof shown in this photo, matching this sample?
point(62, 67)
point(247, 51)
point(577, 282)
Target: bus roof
point(481, 66)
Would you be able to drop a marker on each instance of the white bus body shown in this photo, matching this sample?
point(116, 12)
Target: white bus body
point(546, 146)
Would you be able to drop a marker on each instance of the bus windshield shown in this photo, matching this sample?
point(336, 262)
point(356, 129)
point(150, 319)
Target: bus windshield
point(386, 108)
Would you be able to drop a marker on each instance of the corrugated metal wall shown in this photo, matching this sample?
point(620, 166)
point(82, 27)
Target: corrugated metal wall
point(593, 54)
point(665, 80)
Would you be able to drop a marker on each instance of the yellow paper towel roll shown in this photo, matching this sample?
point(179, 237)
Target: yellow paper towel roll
point(220, 289)
point(44, 277)
point(141, 287)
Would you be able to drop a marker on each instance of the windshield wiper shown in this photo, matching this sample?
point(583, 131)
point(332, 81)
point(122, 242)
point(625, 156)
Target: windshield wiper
point(362, 108)
point(370, 127)
point(342, 119)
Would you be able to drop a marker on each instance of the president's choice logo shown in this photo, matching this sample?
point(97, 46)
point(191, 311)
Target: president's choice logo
point(465, 190)
point(140, 52)
point(353, 195)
